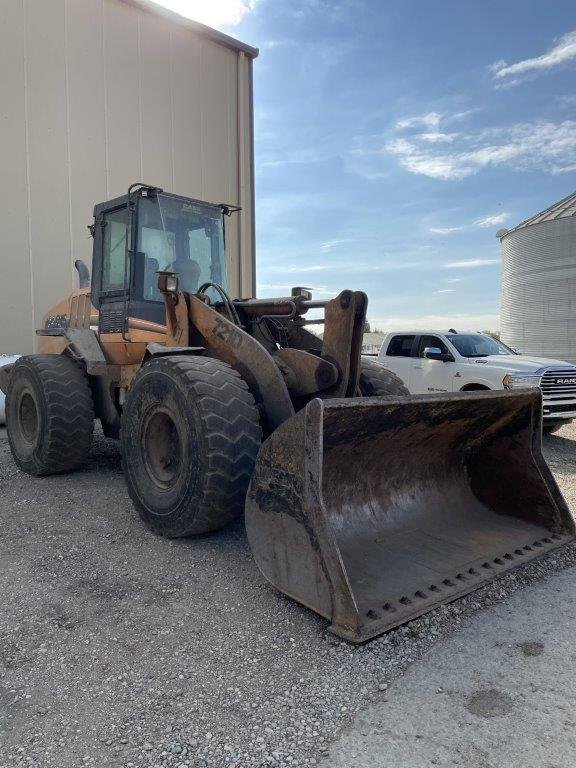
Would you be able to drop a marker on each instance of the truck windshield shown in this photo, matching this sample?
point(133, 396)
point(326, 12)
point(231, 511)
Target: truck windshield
point(181, 236)
point(478, 345)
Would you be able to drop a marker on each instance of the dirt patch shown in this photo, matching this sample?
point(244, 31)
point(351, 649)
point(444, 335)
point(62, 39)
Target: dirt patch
point(491, 703)
point(531, 649)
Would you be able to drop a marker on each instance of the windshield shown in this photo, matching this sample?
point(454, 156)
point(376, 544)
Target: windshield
point(180, 236)
point(477, 345)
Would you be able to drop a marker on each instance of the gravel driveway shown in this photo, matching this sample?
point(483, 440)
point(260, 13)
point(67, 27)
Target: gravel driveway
point(119, 648)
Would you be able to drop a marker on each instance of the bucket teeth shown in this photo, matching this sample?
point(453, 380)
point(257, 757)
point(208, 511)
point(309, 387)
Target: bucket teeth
point(374, 511)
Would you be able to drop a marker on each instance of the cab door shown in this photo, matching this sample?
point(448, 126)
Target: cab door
point(432, 375)
point(398, 357)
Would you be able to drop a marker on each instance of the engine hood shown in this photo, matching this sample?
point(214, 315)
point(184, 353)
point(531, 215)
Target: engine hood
point(520, 363)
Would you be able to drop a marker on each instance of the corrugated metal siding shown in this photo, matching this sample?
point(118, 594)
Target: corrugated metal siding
point(97, 94)
point(539, 289)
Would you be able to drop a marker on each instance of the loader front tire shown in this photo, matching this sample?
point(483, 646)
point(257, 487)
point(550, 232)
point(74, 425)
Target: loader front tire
point(377, 381)
point(49, 414)
point(190, 436)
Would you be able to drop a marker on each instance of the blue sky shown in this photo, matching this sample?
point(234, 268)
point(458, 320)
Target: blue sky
point(393, 139)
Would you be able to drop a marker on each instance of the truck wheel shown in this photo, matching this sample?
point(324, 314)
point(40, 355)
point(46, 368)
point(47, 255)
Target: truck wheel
point(49, 414)
point(375, 380)
point(190, 436)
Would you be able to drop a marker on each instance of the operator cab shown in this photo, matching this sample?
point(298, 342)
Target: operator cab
point(145, 232)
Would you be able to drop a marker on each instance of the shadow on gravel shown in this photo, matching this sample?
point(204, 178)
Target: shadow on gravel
point(558, 441)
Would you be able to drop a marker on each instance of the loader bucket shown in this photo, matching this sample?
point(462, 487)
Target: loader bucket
point(372, 511)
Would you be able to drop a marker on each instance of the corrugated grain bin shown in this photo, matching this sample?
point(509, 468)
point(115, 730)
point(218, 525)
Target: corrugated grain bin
point(538, 313)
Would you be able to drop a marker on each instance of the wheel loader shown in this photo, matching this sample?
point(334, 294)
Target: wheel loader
point(365, 504)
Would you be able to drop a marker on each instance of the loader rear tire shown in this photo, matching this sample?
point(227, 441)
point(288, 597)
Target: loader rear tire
point(377, 381)
point(49, 414)
point(190, 436)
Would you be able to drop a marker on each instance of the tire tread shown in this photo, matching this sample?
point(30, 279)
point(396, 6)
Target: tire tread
point(232, 436)
point(69, 415)
point(378, 381)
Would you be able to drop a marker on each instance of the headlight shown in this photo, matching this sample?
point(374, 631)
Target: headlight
point(518, 380)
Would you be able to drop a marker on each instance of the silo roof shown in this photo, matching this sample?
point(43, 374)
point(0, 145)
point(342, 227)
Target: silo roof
point(560, 210)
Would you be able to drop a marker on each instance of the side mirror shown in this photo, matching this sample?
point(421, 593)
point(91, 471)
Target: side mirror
point(435, 353)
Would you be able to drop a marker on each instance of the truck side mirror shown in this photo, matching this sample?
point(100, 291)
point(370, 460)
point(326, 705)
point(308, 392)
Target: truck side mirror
point(435, 353)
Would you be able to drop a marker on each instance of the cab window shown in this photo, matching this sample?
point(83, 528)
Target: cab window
point(400, 346)
point(179, 236)
point(431, 341)
point(114, 250)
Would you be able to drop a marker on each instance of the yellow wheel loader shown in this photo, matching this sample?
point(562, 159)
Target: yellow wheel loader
point(365, 504)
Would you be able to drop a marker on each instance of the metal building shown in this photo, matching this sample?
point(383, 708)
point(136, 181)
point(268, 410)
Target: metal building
point(539, 283)
point(97, 94)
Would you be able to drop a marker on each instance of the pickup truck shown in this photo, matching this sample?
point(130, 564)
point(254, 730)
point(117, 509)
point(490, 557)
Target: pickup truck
point(447, 361)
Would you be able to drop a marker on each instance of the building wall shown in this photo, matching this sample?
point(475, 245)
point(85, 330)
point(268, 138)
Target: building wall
point(97, 94)
point(539, 289)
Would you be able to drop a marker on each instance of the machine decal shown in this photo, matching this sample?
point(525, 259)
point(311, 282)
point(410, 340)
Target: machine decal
point(227, 333)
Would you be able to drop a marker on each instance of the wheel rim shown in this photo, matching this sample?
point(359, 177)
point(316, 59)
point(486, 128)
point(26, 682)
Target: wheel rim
point(28, 417)
point(162, 449)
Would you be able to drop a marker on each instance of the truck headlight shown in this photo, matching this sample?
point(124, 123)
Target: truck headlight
point(519, 380)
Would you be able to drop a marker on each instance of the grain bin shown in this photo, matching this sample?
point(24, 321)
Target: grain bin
point(538, 313)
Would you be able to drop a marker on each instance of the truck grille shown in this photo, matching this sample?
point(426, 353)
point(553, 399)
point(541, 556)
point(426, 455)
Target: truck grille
point(558, 387)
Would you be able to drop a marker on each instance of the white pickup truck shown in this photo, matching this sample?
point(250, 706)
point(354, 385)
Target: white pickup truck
point(447, 361)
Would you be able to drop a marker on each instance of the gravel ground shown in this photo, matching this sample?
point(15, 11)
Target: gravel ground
point(499, 693)
point(119, 648)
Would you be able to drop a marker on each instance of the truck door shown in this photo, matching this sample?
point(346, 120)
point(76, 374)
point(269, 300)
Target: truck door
point(398, 357)
point(431, 375)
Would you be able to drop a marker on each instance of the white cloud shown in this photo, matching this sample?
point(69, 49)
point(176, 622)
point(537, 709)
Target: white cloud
point(445, 290)
point(274, 289)
point(284, 270)
point(437, 137)
point(330, 244)
point(567, 101)
point(545, 146)
point(563, 51)
point(470, 263)
point(438, 322)
point(215, 13)
point(466, 113)
point(492, 221)
point(297, 157)
point(445, 230)
point(431, 121)
point(485, 222)
point(428, 120)
point(368, 150)
point(455, 279)
point(402, 261)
